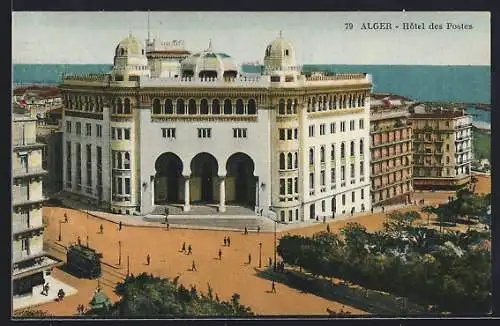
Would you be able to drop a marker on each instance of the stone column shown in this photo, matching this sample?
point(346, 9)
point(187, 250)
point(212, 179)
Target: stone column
point(152, 185)
point(222, 193)
point(186, 207)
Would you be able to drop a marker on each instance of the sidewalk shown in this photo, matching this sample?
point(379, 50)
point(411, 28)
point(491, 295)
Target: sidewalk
point(266, 224)
point(37, 298)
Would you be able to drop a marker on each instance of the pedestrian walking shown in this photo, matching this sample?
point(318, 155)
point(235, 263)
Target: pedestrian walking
point(65, 219)
point(183, 249)
point(258, 229)
point(101, 228)
point(228, 241)
point(383, 209)
point(225, 241)
point(79, 240)
point(120, 226)
point(61, 294)
point(249, 259)
point(148, 259)
point(190, 250)
point(193, 267)
point(220, 254)
point(372, 210)
point(168, 227)
point(273, 287)
point(270, 262)
point(246, 231)
point(328, 228)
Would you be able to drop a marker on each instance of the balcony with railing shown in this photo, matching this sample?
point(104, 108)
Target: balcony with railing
point(393, 142)
point(28, 172)
point(25, 142)
point(389, 156)
point(388, 170)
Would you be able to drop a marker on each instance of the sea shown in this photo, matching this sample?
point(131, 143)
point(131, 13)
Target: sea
point(463, 84)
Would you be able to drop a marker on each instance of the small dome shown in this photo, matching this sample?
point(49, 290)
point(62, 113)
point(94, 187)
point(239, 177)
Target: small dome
point(129, 46)
point(209, 64)
point(280, 55)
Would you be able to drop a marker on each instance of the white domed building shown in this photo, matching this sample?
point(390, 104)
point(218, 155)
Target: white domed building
point(212, 138)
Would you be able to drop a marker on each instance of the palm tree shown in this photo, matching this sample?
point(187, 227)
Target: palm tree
point(428, 210)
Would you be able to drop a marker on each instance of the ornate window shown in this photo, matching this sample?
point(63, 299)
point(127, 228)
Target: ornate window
point(322, 154)
point(127, 106)
point(289, 107)
point(215, 106)
point(228, 106)
point(169, 107)
point(282, 161)
point(156, 106)
point(352, 148)
point(290, 161)
point(204, 106)
point(281, 107)
point(311, 156)
point(251, 106)
point(119, 106)
point(342, 150)
point(192, 106)
point(180, 109)
point(239, 106)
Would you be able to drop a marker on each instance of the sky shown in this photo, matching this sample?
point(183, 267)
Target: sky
point(318, 37)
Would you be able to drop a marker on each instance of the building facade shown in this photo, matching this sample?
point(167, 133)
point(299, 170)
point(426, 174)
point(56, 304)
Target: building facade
point(442, 147)
point(391, 150)
point(294, 143)
point(29, 262)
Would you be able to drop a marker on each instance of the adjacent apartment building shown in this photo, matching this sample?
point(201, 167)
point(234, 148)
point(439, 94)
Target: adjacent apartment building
point(391, 149)
point(30, 264)
point(442, 147)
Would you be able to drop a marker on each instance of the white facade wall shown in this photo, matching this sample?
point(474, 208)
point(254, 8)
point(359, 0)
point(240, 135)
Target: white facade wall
point(94, 141)
point(327, 140)
point(187, 145)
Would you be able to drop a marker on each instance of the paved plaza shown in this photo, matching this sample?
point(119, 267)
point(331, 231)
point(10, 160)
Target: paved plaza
point(231, 274)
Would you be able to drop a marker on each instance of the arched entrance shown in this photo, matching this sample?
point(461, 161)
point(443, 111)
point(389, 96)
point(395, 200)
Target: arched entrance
point(204, 169)
point(168, 179)
point(241, 182)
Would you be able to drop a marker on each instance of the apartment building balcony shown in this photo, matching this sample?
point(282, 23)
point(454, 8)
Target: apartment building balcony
point(462, 138)
point(25, 143)
point(463, 150)
point(27, 231)
point(391, 184)
point(428, 141)
point(28, 172)
point(394, 142)
point(463, 126)
point(287, 198)
point(463, 162)
point(20, 201)
point(390, 170)
point(384, 158)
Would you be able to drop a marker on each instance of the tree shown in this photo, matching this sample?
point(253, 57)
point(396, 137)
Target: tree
point(355, 237)
point(150, 296)
point(30, 313)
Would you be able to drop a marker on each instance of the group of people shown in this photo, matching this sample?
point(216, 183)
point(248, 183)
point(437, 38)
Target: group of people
point(80, 309)
point(60, 294)
point(189, 249)
point(227, 241)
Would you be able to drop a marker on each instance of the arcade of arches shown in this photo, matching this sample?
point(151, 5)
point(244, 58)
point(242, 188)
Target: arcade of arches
point(204, 185)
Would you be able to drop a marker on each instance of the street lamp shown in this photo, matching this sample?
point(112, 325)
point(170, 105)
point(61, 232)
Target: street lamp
point(119, 253)
point(260, 254)
point(60, 230)
point(272, 214)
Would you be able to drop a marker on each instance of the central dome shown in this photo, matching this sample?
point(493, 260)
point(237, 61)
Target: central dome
point(209, 64)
